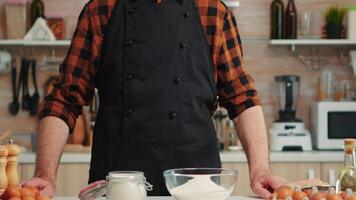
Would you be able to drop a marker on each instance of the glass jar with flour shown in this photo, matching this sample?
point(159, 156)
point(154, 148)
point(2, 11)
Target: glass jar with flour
point(118, 186)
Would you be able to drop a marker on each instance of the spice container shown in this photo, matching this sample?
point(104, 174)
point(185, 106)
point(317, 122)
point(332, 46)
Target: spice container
point(56, 23)
point(351, 33)
point(118, 186)
point(17, 18)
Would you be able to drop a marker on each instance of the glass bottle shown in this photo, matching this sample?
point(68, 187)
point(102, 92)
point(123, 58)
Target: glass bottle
point(37, 10)
point(347, 176)
point(277, 19)
point(291, 21)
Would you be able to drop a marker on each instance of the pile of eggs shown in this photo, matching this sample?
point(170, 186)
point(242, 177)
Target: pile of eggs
point(22, 193)
point(288, 193)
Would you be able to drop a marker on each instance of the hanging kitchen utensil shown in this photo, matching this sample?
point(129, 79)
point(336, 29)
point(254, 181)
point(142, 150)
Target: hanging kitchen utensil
point(14, 106)
point(35, 97)
point(26, 98)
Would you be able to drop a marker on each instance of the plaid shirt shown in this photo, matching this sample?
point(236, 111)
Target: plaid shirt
point(75, 88)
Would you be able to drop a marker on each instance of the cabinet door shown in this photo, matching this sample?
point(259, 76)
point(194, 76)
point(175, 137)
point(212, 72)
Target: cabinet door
point(330, 172)
point(242, 187)
point(71, 178)
point(297, 171)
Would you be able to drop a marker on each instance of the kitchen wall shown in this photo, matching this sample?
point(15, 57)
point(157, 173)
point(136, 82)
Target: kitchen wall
point(262, 60)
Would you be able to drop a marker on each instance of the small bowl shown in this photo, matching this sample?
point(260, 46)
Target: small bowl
point(200, 183)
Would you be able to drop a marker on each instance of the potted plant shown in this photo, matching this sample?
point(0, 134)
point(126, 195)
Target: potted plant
point(334, 17)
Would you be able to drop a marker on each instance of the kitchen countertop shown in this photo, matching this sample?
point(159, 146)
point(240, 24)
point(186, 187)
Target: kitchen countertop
point(226, 156)
point(161, 198)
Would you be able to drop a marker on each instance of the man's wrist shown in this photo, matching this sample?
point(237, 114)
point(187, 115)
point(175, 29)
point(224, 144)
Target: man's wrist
point(46, 177)
point(260, 170)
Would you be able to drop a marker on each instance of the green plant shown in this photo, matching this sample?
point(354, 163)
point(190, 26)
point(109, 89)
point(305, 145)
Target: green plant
point(335, 15)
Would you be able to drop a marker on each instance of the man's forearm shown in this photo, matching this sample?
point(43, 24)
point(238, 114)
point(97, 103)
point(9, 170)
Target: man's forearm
point(250, 126)
point(52, 136)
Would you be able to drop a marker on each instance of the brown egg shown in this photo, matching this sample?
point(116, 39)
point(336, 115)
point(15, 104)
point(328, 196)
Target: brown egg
point(27, 192)
point(43, 197)
point(14, 198)
point(284, 191)
point(35, 191)
point(317, 196)
point(12, 192)
point(28, 198)
point(308, 192)
point(351, 197)
point(343, 194)
point(299, 195)
point(333, 196)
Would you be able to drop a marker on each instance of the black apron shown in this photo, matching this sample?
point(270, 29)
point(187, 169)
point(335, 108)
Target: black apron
point(156, 89)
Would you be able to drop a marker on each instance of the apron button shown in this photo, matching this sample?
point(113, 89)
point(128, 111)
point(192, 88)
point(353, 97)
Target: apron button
point(187, 14)
point(132, 11)
point(183, 45)
point(130, 112)
point(177, 80)
point(130, 77)
point(130, 43)
point(172, 115)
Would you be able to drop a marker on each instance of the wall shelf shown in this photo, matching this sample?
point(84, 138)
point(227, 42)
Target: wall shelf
point(25, 43)
point(313, 42)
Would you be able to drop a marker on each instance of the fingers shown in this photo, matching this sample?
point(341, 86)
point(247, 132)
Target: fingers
point(45, 187)
point(275, 182)
point(259, 189)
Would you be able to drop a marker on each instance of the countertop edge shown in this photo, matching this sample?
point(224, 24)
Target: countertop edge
point(226, 157)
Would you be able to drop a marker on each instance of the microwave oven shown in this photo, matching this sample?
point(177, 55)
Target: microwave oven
point(332, 122)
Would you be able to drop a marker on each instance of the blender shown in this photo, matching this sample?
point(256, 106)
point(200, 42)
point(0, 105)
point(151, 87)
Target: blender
point(289, 133)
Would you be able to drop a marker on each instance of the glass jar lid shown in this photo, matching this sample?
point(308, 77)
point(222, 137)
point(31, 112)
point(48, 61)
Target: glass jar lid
point(122, 176)
point(93, 190)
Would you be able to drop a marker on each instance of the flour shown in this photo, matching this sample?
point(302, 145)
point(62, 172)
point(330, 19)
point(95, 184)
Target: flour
point(125, 190)
point(201, 187)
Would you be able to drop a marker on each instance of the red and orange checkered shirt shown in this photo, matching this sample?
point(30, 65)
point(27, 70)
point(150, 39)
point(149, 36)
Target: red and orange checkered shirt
point(75, 88)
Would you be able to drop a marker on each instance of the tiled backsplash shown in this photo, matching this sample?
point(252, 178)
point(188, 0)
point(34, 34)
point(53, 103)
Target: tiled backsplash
point(262, 60)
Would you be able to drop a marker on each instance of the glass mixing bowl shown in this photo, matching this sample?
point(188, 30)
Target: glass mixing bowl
point(200, 183)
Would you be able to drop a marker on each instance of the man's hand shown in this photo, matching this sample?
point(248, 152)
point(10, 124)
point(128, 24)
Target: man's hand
point(45, 186)
point(264, 183)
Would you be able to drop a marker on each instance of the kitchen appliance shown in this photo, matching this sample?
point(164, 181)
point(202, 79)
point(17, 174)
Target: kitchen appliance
point(331, 123)
point(289, 133)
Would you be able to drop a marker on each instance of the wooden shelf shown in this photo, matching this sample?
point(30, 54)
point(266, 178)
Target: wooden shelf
point(314, 42)
point(231, 3)
point(25, 43)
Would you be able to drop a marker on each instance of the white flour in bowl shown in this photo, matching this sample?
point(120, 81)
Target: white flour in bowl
point(201, 187)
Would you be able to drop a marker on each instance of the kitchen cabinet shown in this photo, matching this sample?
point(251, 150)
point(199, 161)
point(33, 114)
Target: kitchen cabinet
point(291, 171)
point(330, 171)
point(297, 171)
point(71, 178)
point(243, 180)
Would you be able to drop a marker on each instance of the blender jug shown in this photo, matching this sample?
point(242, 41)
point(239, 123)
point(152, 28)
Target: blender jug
point(288, 89)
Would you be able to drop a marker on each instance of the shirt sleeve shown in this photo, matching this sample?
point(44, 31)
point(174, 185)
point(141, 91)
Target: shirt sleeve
point(236, 88)
point(75, 87)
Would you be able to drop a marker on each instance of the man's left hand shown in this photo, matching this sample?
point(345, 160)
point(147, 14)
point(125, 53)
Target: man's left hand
point(265, 183)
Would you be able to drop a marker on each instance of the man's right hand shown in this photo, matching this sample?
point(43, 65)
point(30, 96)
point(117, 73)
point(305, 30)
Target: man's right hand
point(45, 186)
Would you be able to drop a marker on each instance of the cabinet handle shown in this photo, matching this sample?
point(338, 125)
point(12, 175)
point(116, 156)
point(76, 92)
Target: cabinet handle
point(332, 177)
point(311, 173)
